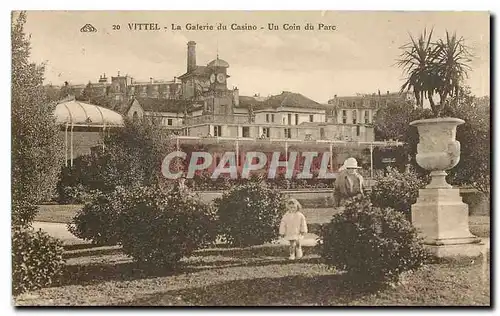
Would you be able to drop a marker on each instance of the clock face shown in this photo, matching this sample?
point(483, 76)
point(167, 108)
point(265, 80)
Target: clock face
point(212, 78)
point(221, 78)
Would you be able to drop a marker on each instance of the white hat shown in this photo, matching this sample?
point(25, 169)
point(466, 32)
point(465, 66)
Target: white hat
point(351, 163)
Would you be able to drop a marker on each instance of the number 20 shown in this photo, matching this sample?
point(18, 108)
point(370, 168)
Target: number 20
point(116, 27)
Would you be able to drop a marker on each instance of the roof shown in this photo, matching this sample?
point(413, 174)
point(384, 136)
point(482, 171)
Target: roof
point(218, 63)
point(158, 82)
point(285, 99)
point(81, 113)
point(165, 105)
point(198, 71)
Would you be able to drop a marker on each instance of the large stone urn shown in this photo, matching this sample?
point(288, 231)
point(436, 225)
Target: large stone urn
point(439, 213)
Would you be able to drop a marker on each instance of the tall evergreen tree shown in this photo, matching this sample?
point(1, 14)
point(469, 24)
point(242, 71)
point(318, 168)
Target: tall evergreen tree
point(36, 142)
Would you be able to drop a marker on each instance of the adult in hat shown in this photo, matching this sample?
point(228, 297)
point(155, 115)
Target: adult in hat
point(349, 182)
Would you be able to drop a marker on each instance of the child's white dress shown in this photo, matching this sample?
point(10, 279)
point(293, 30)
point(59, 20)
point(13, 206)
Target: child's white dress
point(292, 225)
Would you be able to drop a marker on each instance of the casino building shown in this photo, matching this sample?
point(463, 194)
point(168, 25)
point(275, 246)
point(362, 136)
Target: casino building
point(200, 108)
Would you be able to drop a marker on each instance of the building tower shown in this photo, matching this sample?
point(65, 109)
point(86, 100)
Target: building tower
point(191, 58)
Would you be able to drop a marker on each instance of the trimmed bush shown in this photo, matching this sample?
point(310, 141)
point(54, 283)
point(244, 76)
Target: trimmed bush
point(250, 214)
point(36, 259)
point(77, 194)
point(23, 213)
point(373, 245)
point(397, 190)
point(160, 228)
point(97, 220)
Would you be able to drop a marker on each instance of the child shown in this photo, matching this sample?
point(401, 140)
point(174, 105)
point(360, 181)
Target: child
point(293, 227)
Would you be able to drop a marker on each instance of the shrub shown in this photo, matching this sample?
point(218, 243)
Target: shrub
point(397, 190)
point(77, 194)
point(250, 214)
point(23, 213)
point(159, 228)
point(97, 220)
point(36, 259)
point(373, 245)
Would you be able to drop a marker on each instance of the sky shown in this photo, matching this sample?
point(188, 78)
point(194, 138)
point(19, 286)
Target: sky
point(359, 56)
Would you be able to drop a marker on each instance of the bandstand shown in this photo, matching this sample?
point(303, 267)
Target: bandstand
point(84, 126)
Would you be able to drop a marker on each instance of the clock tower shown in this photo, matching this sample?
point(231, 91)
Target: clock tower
point(218, 74)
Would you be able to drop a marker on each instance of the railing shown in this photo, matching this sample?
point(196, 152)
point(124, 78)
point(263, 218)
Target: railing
point(217, 118)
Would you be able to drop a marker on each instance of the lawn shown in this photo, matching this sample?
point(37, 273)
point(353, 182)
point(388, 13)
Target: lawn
point(259, 276)
point(479, 225)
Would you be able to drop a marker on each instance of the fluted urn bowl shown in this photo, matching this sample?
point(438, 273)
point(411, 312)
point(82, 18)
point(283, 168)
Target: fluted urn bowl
point(438, 150)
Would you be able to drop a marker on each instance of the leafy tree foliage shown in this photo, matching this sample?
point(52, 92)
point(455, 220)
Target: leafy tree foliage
point(474, 136)
point(36, 142)
point(36, 157)
point(132, 156)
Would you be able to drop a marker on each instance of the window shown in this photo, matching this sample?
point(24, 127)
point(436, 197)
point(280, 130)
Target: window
point(217, 130)
point(169, 121)
point(117, 97)
point(266, 132)
point(344, 116)
point(322, 133)
point(267, 118)
point(311, 118)
point(272, 118)
point(367, 117)
point(358, 130)
point(354, 117)
point(296, 119)
point(245, 131)
point(288, 132)
point(289, 119)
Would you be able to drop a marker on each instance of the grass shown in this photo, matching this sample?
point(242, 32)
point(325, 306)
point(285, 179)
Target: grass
point(479, 225)
point(57, 213)
point(258, 276)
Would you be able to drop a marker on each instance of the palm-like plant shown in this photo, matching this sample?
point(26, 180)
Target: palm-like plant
point(434, 68)
point(415, 60)
point(452, 66)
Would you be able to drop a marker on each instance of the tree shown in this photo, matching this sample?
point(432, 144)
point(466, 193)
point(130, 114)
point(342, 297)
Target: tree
point(66, 91)
point(474, 135)
point(132, 157)
point(392, 121)
point(36, 142)
point(434, 68)
point(474, 167)
point(87, 93)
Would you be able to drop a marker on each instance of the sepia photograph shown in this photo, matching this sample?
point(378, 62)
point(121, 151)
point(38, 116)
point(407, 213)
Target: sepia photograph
point(250, 158)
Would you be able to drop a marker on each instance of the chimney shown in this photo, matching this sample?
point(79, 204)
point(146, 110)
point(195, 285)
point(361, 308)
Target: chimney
point(191, 56)
point(335, 96)
point(236, 97)
point(118, 73)
point(387, 92)
point(150, 79)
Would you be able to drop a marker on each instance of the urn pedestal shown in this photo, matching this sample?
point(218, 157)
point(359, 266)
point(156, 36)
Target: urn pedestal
point(439, 213)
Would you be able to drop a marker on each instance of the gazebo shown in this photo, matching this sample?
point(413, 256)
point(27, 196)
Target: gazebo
point(90, 121)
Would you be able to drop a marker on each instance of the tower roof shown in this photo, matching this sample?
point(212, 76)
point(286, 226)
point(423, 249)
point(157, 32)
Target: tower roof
point(218, 63)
